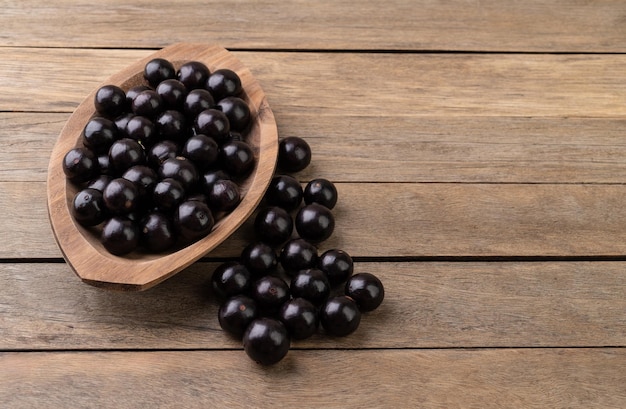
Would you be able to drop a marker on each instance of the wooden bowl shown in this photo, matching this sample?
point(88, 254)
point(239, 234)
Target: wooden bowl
point(82, 248)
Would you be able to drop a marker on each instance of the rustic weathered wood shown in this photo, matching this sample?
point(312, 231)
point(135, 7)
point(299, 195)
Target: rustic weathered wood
point(427, 305)
point(397, 24)
point(426, 220)
point(139, 270)
point(524, 378)
point(397, 149)
point(356, 84)
point(500, 154)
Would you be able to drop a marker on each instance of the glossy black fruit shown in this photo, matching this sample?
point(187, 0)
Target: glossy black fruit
point(237, 111)
point(337, 265)
point(284, 191)
point(237, 158)
point(236, 314)
point(270, 292)
point(311, 285)
point(224, 195)
point(172, 125)
point(298, 254)
point(231, 278)
point(193, 220)
point(197, 100)
point(120, 235)
point(315, 223)
point(180, 169)
point(300, 317)
point(161, 151)
point(321, 191)
point(266, 341)
point(147, 103)
point(201, 150)
point(157, 70)
point(273, 225)
point(193, 74)
point(366, 290)
point(168, 194)
point(125, 153)
point(340, 316)
point(110, 101)
point(80, 165)
point(142, 130)
point(99, 134)
point(121, 196)
point(173, 93)
point(259, 258)
point(294, 154)
point(157, 233)
point(212, 122)
point(88, 207)
point(143, 177)
point(224, 83)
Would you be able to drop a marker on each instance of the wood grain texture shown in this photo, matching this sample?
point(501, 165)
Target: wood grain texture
point(554, 378)
point(427, 305)
point(356, 84)
point(82, 248)
point(397, 149)
point(397, 25)
point(424, 220)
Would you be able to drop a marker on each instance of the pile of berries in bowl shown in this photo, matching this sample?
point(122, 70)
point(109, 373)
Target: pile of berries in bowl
point(160, 163)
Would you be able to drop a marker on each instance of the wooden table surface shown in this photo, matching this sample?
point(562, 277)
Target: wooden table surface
point(479, 150)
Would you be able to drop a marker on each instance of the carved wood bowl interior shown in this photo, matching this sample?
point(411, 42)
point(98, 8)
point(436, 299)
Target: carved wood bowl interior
point(139, 270)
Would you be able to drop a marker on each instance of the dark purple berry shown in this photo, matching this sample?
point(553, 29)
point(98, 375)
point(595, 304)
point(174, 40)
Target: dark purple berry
point(270, 292)
point(273, 225)
point(284, 191)
point(337, 265)
point(157, 70)
point(110, 101)
point(294, 154)
point(157, 233)
point(321, 191)
point(237, 111)
point(259, 258)
point(120, 196)
point(80, 165)
point(315, 223)
point(193, 74)
point(298, 254)
point(340, 316)
point(366, 290)
point(236, 314)
point(231, 278)
point(120, 235)
point(193, 220)
point(300, 317)
point(266, 341)
point(99, 134)
point(311, 285)
point(224, 83)
point(88, 207)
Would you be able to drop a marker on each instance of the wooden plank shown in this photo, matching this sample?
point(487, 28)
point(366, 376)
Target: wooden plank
point(529, 378)
point(419, 25)
point(370, 84)
point(416, 220)
point(427, 305)
point(397, 149)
